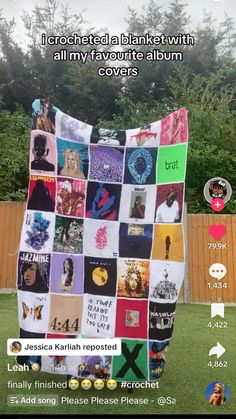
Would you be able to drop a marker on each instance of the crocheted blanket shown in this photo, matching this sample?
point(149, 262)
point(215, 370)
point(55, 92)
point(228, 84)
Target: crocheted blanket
point(102, 244)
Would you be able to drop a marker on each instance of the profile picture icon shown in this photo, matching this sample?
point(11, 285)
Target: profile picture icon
point(217, 187)
point(217, 393)
point(15, 347)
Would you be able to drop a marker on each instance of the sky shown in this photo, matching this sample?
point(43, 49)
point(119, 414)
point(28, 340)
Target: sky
point(111, 14)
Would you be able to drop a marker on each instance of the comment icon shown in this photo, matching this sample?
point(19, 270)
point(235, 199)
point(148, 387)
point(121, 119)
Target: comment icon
point(217, 271)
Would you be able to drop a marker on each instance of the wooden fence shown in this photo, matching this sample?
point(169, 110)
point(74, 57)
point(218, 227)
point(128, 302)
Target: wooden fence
point(11, 218)
point(199, 256)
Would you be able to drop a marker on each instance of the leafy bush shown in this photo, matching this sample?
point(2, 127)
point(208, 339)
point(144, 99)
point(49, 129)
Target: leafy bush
point(14, 150)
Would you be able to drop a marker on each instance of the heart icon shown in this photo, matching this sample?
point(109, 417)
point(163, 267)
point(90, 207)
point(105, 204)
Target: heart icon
point(217, 231)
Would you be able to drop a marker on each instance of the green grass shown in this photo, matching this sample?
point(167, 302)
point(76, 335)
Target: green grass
point(185, 377)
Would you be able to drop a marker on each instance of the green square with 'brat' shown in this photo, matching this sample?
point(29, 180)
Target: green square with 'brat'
point(171, 164)
point(131, 365)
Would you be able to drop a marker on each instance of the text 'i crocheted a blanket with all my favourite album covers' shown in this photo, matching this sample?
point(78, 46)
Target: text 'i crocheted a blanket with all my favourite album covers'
point(102, 249)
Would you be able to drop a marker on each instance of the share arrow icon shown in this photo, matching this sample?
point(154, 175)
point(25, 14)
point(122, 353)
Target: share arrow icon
point(217, 350)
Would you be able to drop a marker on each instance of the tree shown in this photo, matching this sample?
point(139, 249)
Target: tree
point(211, 122)
point(214, 49)
point(151, 83)
point(204, 83)
point(86, 96)
point(14, 150)
point(175, 18)
point(17, 86)
point(30, 74)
